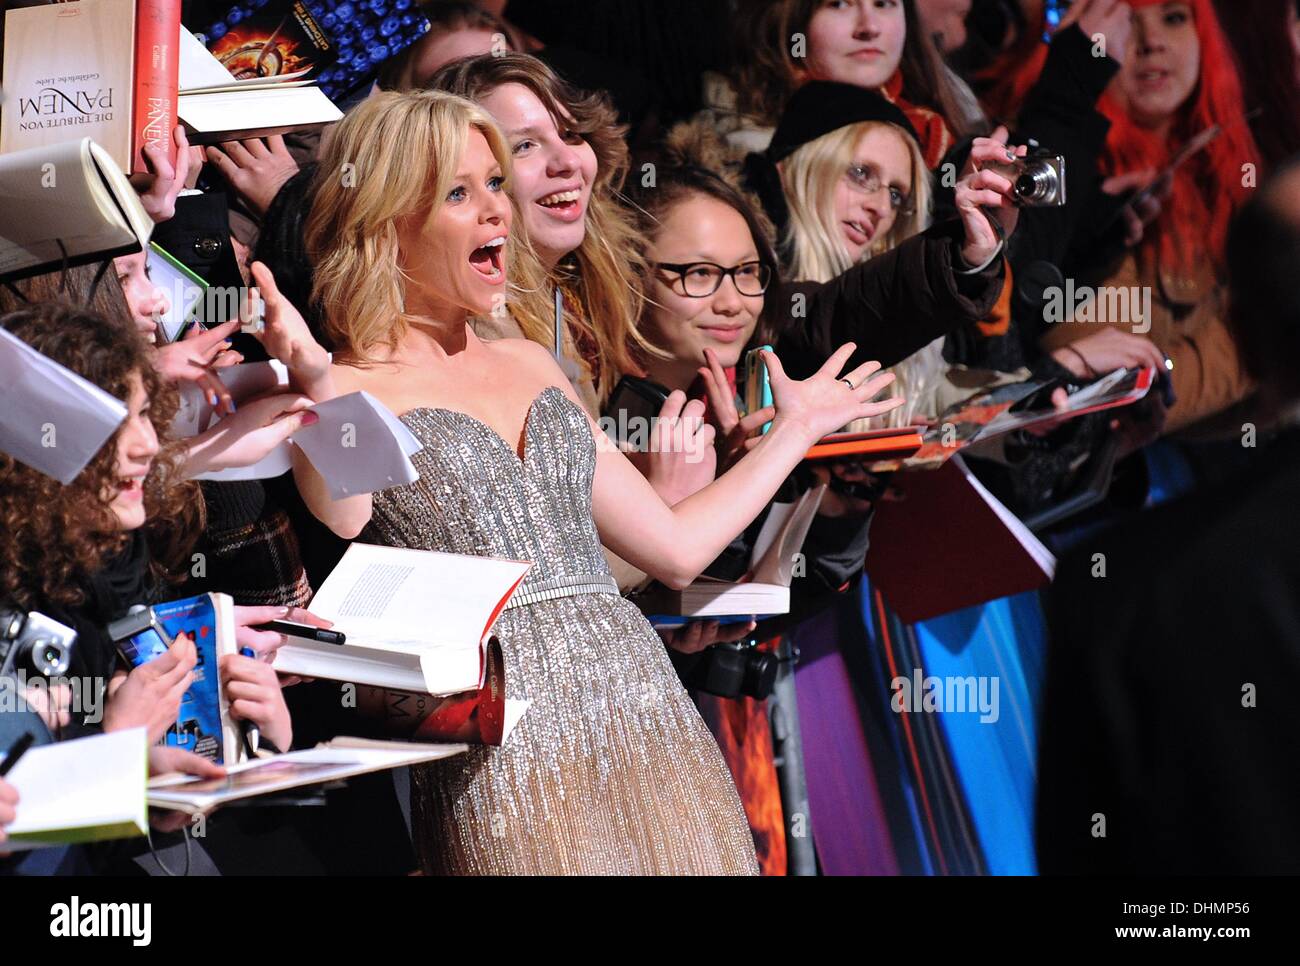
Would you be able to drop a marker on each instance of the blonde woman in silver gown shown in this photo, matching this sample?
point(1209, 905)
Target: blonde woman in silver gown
point(611, 770)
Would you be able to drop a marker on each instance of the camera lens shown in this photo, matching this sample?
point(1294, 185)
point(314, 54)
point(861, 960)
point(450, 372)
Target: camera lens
point(48, 658)
point(1038, 184)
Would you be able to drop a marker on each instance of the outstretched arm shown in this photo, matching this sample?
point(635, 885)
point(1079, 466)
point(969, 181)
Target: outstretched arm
point(675, 544)
point(286, 337)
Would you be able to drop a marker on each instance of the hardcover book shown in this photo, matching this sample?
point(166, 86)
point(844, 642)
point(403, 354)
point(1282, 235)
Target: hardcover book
point(104, 69)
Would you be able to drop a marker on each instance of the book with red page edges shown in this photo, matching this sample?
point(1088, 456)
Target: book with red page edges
point(898, 443)
point(157, 75)
point(944, 543)
point(483, 716)
point(416, 621)
point(478, 717)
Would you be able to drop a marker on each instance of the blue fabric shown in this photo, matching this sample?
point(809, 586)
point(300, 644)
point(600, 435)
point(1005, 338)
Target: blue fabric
point(995, 761)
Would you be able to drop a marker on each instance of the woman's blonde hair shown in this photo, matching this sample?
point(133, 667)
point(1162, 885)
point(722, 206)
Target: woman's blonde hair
point(604, 274)
point(816, 247)
point(817, 252)
point(394, 155)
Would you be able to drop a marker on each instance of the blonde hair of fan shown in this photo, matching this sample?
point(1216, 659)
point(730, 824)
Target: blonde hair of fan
point(817, 251)
point(393, 155)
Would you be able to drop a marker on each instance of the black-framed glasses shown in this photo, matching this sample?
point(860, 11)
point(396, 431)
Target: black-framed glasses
point(701, 279)
point(867, 179)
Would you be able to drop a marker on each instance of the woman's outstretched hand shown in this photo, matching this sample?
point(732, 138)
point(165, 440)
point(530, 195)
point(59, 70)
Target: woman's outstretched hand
point(285, 335)
point(830, 398)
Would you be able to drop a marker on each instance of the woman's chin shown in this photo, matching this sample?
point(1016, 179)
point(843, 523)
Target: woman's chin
point(131, 517)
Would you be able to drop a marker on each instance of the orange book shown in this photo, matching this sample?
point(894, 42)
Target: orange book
point(879, 444)
point(157, 75)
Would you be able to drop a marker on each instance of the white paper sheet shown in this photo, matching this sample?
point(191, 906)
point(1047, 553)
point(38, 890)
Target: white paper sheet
point(51, 418)
point(359, 446)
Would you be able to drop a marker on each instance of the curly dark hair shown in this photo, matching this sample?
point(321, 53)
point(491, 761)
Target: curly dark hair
point(56, 537)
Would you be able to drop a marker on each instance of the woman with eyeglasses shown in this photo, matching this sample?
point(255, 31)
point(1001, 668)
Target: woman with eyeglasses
point(714, 290)
point(846, 182)
point(713, 271)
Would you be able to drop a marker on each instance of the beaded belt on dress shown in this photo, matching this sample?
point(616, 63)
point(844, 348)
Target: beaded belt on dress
point(569, 585)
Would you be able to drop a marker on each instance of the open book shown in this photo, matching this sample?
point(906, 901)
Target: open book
point(214, 106)
point(945, 542)
point(415, 620)
point(54, 420)
point(766, 589)
point(331, 761)
point(84, 790)
point(988, 415)
point(66, 203)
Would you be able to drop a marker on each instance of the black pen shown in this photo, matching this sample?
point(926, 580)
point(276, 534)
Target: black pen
point(252, 734)
point(318, 634)
point(16, 751)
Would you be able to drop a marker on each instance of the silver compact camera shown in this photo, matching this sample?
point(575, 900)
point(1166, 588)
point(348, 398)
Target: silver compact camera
point(34, 644)
point(1038, 180)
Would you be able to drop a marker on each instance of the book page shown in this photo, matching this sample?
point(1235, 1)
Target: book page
point(280, 106)
point(244, 381)
point(358, 446)
point(1043, 557)
point(380, 594)
point(296, 769)
point(80, 784)
point(48, 196)
point(778, 541)
point(198, 68)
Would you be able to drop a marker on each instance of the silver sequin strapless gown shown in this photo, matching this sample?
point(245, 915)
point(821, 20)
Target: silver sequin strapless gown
point(611, 770)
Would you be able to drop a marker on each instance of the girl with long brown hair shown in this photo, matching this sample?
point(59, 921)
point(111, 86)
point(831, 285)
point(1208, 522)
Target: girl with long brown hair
point(569, 162)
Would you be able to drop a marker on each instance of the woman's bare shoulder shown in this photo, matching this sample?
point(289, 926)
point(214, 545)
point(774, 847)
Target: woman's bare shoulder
point(528, 356)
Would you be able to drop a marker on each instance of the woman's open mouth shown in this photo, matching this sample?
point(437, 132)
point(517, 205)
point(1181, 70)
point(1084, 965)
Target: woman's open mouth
point(564, 205)
point(486, 260)
point(1152, 78)
point(859, 232)
point(131, 488)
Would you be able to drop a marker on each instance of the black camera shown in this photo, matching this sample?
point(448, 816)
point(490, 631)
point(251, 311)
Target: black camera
point(33, 644)
point(729, 670)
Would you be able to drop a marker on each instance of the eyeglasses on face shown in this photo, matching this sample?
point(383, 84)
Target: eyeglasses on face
point(867, 179)
point(701, 279)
